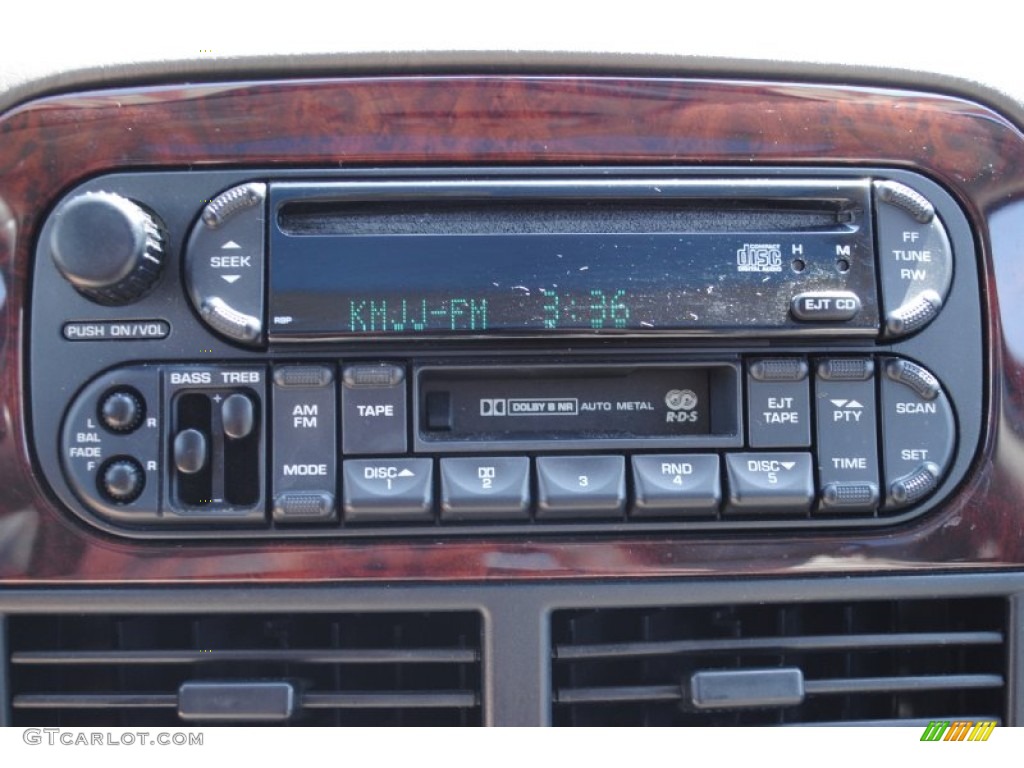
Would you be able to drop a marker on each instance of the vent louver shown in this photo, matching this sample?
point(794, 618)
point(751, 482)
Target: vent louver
point(295, 669)
point(887, 662)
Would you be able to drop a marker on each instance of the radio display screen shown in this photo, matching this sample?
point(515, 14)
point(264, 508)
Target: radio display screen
point(475, 269)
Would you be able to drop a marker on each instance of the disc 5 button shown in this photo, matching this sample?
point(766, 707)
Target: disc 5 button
point(779, 483)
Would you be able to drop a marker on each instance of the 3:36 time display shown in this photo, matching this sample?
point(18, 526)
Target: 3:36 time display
point(596, 309)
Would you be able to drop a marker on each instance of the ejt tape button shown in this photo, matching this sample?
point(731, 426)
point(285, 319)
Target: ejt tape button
point(779, 403)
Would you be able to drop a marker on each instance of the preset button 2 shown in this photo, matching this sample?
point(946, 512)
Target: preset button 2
point(485, 489)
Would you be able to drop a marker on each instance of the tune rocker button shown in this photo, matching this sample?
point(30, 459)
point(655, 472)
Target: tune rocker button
point(915, 259)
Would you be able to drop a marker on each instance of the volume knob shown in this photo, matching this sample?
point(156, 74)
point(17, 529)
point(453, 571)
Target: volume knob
point(108, 247)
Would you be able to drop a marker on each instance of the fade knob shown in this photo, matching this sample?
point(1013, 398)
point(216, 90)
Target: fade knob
point(109, 248)
point(122, 480)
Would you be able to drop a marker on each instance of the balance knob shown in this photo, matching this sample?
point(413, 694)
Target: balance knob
point(122, 411)
point(107, 247)
point(122, 480)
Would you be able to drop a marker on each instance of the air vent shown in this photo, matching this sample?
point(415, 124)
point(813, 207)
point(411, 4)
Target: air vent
point(294, 669)
point(892, 662)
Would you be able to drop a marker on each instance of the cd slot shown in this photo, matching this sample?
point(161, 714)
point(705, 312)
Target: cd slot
point(521, 217)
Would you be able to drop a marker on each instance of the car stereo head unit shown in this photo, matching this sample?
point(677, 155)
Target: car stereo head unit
point(297, 353)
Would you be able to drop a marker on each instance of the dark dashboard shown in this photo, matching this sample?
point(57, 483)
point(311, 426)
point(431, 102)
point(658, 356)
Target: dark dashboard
point(147, 514)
